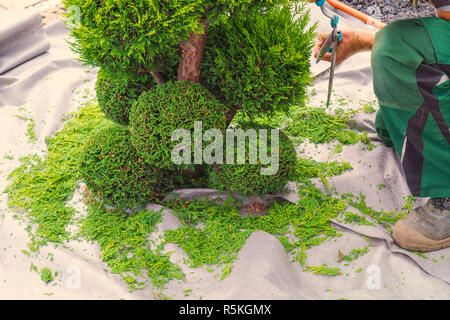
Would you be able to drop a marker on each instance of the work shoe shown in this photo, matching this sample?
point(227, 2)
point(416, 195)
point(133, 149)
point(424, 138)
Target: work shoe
point(426, 228)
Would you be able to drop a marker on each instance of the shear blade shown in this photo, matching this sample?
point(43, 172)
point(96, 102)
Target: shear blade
point(324, 48)
point(330, 81)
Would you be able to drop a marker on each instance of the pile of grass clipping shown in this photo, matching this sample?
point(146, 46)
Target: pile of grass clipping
point(40, 189)
point(317, 125)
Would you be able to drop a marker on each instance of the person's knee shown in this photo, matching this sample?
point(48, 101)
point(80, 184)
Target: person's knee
point(391, 33)
point(385, 40)
point(405, 41)
point(382, 130)
point(399, 48)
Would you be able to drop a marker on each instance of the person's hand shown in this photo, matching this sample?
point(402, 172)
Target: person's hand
point(353, 41)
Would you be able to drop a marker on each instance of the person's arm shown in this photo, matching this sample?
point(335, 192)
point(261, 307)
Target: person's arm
point(353, 41)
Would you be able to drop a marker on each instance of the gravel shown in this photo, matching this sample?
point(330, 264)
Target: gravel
point(392, 10)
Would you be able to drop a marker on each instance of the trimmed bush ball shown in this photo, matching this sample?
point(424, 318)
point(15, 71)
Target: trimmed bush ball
point(115, 173)
point(260, 62)
point(164, 109)
point(246, 179)
point(116, 95)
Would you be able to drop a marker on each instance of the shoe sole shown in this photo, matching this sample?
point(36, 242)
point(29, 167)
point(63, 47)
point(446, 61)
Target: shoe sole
point(410, 239)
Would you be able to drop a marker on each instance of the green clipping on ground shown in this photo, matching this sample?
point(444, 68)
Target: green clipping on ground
point(355, 254)
point(46, 275)
point(320, 126)
point(385, 218)
point(315, 124)
point(324, 270)
point(297, 226)
point(125, 246)
point(41, 188)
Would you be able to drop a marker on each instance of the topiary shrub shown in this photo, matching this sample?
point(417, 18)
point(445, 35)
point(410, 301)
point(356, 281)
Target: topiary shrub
point(260, 63)
point(209, 59)
point(252, 54)
point(146, 36)
point(246, 178)
point(115, 173)
point(164, 109)
point(116, 95)
point(131, 36)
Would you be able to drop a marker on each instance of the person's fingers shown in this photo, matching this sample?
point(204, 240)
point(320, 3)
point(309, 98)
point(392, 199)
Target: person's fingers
point(327, 57)
point(323, 36)
point(316, 51)
point(319, 41)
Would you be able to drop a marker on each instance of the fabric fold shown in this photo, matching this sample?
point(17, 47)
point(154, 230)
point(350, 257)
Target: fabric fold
point(22, 37)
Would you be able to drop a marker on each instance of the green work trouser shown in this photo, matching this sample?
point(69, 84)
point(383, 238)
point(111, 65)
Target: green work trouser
point(411, 70)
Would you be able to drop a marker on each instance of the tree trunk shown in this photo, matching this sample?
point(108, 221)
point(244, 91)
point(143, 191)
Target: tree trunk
point(229, 115)
point(158, 78)
point(191, 52)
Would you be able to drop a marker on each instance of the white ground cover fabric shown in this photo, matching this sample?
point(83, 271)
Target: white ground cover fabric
point(54, 83)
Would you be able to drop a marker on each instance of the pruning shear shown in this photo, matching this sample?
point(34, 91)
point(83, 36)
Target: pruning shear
point(330, 45)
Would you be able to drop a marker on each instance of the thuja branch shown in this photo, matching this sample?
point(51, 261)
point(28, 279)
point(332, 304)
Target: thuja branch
point(158, 77)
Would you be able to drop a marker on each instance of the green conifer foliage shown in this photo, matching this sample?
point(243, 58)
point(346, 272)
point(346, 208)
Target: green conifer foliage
point(166, 64)
point(260, 63)
point(143, 35)
point(246, 178)
point(116, 95)
point(164, 109)
point(114, 171)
